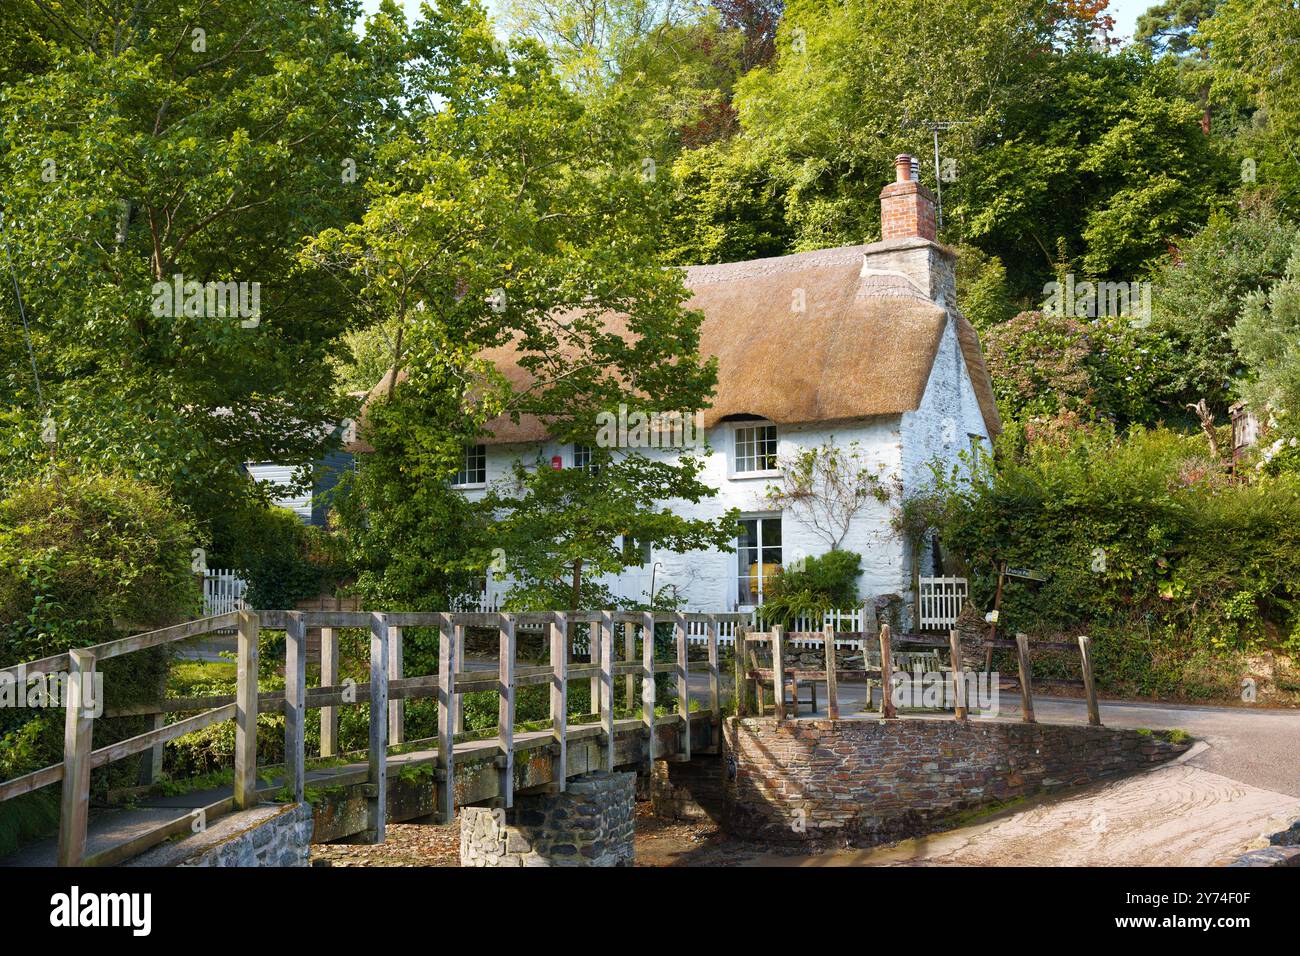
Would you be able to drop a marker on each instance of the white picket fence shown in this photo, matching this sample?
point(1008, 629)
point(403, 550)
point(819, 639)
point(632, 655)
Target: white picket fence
point(223, 592)
point(697, 631)
point(941, 601)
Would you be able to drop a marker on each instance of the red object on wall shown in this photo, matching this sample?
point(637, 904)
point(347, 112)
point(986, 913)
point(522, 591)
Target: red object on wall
point(557, 462)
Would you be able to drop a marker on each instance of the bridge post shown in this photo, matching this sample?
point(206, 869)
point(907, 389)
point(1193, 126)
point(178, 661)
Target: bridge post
point(887, 709)
point(78, 741)
point(778, 673)
point(295, 699)
point(329, 677)
point(458, 662)
point(832, 678)
point(593, 657)
point(246, 712)
point(715, 687)
point(506, 709)
point(683, 684)
point(740, 646)
point(560, 693)
point(447, 710)
point(1026, 679)
point(629, 655)
point(396, 708)
point(1089, 688)
point(377, 788)
point(958, 680)
point(607, 687)
point(648, 681)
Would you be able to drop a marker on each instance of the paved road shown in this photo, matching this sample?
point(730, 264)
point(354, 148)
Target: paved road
point(1241, 780)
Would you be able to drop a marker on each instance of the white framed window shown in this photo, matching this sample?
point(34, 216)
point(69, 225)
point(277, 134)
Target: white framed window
point(473, 467)
point(753, 449)
point(633, 548)
point(758, 556)
point(582, 458)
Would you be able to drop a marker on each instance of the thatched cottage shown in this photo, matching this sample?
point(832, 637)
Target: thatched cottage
point(861, 344)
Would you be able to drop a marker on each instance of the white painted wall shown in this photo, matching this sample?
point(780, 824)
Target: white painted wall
point(942, 426)
point(282, 476)
point(708, 580)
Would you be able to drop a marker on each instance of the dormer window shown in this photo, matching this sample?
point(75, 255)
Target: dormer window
point(754, 449)
point(473, 467)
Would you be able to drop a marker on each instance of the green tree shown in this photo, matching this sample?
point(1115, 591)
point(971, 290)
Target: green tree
point(1199, 295)
point(1267, 337)
point(523, 219)
point(140, 142)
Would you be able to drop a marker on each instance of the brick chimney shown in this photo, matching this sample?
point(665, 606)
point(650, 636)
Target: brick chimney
point(906, 207)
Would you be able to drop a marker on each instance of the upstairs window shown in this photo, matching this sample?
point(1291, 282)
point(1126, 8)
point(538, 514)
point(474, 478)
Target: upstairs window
point(473, 467)
point(755, 449)
point(582, 458)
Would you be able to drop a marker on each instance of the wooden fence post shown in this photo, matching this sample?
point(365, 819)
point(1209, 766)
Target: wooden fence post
point(396, 708)
point(560, 695)
point(1026, 680)
point(629, 656)
point(329, 677)
point(593, 657)
point(246, 712)
point(778, 673)
point(607, 687)
point(715, 687)
point(458, 663)
point(887, 708)
point(683, 684)
point(832, 679)
point(740, 648)
point(1085, 658)
point(377, 788)
point(648, 681)
point(447, 717)
point(78, 742)
point(506, 709)
point(295, 700)
point(958, 678)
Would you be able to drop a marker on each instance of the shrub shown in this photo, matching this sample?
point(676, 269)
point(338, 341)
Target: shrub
point(282, 559)
point(813, 587)
point(82, 557)
point(1176, 571)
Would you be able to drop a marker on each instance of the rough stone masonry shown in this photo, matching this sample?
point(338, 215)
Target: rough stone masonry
point(590, 824)
point(820, 783)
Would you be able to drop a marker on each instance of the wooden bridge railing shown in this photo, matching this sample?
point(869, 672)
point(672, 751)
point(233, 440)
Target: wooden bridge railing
point(388, 687)
point(751, 678)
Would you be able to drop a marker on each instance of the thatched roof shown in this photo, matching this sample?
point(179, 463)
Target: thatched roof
point(863, 346)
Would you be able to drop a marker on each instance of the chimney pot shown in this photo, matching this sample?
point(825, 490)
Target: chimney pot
point(906, 207)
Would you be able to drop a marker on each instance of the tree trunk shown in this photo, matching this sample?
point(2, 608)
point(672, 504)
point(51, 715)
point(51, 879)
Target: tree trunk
point(576, 597)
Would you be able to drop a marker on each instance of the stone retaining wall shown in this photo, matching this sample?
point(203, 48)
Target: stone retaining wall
point(688, 791)
point(590, 824)
point(863, 782)
point(266, 835)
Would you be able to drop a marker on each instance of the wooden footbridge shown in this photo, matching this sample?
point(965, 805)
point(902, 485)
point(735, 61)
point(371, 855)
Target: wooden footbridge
point(463, 771)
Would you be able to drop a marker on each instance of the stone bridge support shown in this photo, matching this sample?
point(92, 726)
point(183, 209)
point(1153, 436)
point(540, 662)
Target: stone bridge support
point(589, 824)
